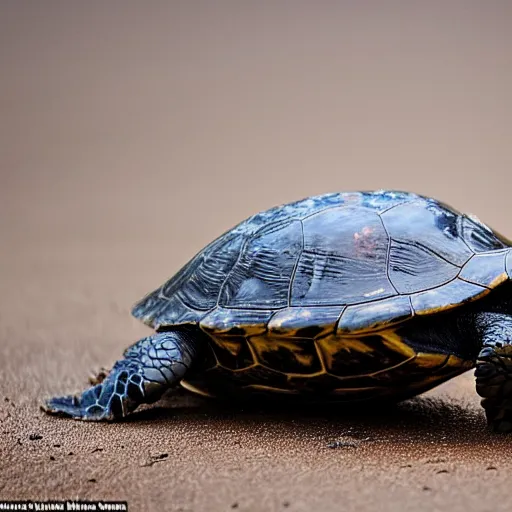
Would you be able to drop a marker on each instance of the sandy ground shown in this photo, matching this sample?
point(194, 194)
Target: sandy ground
point(131, 136)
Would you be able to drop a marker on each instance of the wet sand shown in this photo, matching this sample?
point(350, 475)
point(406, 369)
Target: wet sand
point(130, 137)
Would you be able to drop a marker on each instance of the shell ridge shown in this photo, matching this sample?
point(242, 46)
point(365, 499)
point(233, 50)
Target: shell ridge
point(327, 208)
point(388, 253)
point(407, 201)
point(294, 271)
point(231, 270)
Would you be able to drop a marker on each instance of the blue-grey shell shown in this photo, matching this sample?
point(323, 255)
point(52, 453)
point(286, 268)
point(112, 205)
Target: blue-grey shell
point(357, 260)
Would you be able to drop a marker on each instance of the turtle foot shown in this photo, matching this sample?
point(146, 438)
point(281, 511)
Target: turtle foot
point(150, 367)
point(85, 406)
point(70, 406)
point(494, 384)
point(114, 397)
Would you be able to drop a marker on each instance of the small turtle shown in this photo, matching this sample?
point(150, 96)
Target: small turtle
point(341, 297)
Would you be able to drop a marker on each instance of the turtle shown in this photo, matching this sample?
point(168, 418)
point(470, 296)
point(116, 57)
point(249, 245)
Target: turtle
point(349, 297)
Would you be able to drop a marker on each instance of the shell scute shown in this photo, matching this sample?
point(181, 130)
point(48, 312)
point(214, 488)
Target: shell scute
point(236, 322)
point(430, 225)
point(479, 236)
point(446, 297)
point(344, 259)
point(374, 315)
point(346, 356)
point(486, 269)
point(290, 356)
point(304, 322)
point(412, 264)
point(232, 352)
point(261, 276)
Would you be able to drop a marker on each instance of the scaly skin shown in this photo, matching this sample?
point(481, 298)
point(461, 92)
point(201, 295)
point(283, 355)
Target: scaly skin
point(150, 367)
point(494, 369)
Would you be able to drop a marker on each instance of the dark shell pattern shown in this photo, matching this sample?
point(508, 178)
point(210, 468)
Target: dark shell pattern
point(314, 288)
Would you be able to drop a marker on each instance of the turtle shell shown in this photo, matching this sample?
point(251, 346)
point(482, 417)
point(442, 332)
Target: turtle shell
point(355, 262)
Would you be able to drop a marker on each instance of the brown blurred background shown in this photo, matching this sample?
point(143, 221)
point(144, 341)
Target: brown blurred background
point(133, 133)
point(180, 118)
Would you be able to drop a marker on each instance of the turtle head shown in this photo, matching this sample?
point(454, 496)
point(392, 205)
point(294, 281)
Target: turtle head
point(494, 371)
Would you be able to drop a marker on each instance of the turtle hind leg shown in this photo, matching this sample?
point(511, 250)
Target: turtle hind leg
point(150, 367)
point(494, 369)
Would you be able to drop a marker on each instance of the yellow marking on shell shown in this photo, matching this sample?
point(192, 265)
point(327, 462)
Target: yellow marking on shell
point(346, 391)
point(320, 357)
point(425, 360)
point(427, 383)
point(254, 355)
point(421, 360)
point(385, 370)
point(233, 347)
point(226, 341)
point(457, 362)
point(500, 279)
point(290, 375)
point(355, 344)
point(348, 377)
point(395, 342)
point(358, 376)
point(253, 329)
point(333, 345)
point(330, 346)
point(428, 360)
point(264, 344)
point(193, 389)
point(240, 370)
point(248, 329)
point(261, 387)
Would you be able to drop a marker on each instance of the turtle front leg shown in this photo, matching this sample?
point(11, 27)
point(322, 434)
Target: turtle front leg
point(150, 367)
